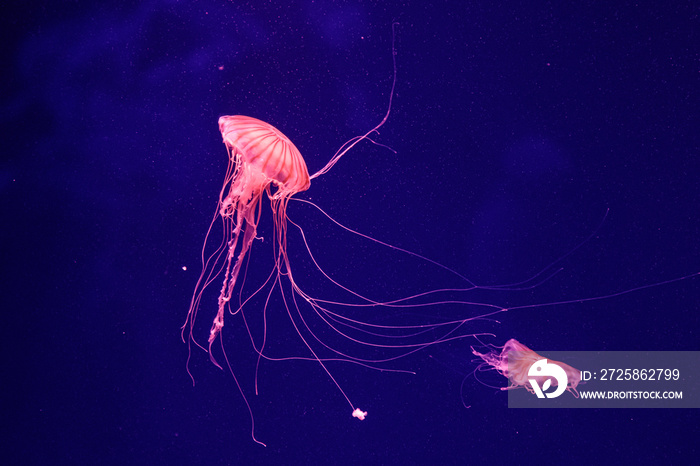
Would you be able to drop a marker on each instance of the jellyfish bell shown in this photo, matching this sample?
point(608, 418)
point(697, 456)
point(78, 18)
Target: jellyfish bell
point(267, 154)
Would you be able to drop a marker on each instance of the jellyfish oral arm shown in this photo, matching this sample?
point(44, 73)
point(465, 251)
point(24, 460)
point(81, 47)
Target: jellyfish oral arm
point(243, 199)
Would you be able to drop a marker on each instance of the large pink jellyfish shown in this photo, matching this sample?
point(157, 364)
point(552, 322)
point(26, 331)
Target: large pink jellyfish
point(260, 156)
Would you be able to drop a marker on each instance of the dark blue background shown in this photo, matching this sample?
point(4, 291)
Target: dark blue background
point(515, 125)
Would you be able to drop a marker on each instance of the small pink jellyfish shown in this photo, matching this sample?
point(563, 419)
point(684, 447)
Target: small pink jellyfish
point(514, 362)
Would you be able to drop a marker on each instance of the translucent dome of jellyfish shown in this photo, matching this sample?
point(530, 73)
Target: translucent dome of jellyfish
point(515, 360)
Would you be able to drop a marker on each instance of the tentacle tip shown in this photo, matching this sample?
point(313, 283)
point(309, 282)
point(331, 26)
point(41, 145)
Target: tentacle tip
point(359, 414)
point(259, 442)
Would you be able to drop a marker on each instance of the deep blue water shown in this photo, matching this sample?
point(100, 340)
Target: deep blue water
point(514, 128)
